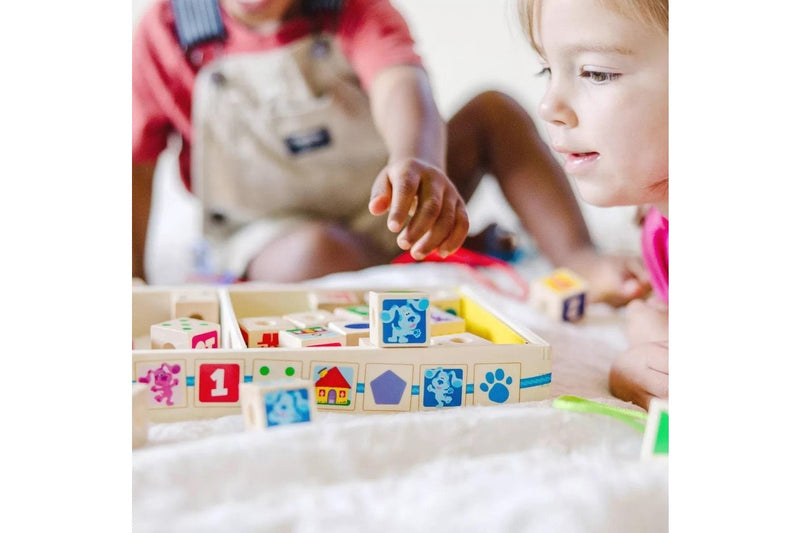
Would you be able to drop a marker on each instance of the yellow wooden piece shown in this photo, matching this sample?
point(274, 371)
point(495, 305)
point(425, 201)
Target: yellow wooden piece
point(483, 323)
point(562, 280)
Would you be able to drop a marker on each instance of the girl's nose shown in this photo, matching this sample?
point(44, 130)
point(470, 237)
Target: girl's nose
point(554, 109)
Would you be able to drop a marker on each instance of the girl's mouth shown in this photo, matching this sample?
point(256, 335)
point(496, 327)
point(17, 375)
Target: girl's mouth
point(575, 162)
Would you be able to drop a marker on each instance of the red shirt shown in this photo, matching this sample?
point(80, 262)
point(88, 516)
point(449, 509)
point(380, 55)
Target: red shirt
point(371, 33)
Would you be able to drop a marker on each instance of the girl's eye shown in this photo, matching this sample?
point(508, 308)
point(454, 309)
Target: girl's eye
point(545, 72)
point(599, 77)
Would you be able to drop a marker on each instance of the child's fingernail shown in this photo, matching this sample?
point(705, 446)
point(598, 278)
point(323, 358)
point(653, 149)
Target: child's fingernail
point(404, 244)
point(394, 226)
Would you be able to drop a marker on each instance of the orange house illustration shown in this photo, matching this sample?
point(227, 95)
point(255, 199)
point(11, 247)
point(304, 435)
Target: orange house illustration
point(332, 388)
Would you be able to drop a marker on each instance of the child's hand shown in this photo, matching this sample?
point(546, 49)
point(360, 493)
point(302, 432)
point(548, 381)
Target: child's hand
point(641, 373)
point(613, 279)
point(646, 321)
point(411, 187)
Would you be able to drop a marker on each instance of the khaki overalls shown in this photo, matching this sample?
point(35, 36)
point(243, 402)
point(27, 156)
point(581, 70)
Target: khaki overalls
point(282, 137)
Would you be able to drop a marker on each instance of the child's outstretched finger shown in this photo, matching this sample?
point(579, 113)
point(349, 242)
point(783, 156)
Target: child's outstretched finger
point(429, 208)
point(381, 194)
point(459, 232)
point(439, 230)
point(405, 184)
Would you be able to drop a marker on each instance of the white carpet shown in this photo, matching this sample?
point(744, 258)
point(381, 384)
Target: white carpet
point(510, 468)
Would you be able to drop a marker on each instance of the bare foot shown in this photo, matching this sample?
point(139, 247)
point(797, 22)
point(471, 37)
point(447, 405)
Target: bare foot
point(494, 241)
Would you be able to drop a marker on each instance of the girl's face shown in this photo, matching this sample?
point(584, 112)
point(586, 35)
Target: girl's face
point(606, 103)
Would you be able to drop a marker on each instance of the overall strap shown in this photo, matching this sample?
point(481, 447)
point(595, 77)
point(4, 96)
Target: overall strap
point(316, 7)
point(197, 22)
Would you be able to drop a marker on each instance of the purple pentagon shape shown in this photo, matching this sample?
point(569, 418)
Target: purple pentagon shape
point(387, 389)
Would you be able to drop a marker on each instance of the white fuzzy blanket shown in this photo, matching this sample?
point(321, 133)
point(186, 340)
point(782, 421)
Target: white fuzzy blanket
point(507, 468)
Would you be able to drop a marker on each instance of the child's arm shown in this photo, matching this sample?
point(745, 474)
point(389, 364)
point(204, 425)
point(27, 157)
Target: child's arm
point(406, 116)
point(141, 189)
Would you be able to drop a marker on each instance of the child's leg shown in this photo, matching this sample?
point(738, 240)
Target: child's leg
point(493, 134)
point(312, 250)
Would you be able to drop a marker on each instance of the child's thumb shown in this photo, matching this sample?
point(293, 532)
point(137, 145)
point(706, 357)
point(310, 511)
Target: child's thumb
point(380, 197)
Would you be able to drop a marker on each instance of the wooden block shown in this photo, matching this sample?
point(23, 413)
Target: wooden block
point(184, 333)
point(202, 304)
point(353, 312)
point(446, 300)
point(139, 415)
point(276, 403)
point(399, 319)
point(444, 323)
point(330, 300)
point(655, 443)
point(262, 331)
point(459, 339)
point(308, 337)
point(561, 295)
point(353, 330)
point(309, 319)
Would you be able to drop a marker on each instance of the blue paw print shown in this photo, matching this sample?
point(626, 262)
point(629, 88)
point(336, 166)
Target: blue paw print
point(498, 392)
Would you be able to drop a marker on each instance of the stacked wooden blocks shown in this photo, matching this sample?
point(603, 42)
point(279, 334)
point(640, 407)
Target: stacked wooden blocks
point(371, 355)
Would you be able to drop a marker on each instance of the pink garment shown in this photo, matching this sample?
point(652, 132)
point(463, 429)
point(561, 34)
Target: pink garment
point(655, 251)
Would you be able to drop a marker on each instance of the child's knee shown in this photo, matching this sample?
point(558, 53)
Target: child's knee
point(495, 106)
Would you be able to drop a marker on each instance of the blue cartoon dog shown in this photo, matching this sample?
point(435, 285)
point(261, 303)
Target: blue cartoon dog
point(287, 407)
point(409, 317)
point(442, 385)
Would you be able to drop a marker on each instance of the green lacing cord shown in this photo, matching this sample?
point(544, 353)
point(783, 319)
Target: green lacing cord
point(629, 416)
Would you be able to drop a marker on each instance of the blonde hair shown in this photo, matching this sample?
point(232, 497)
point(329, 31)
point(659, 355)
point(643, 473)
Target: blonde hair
point(653, 13)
